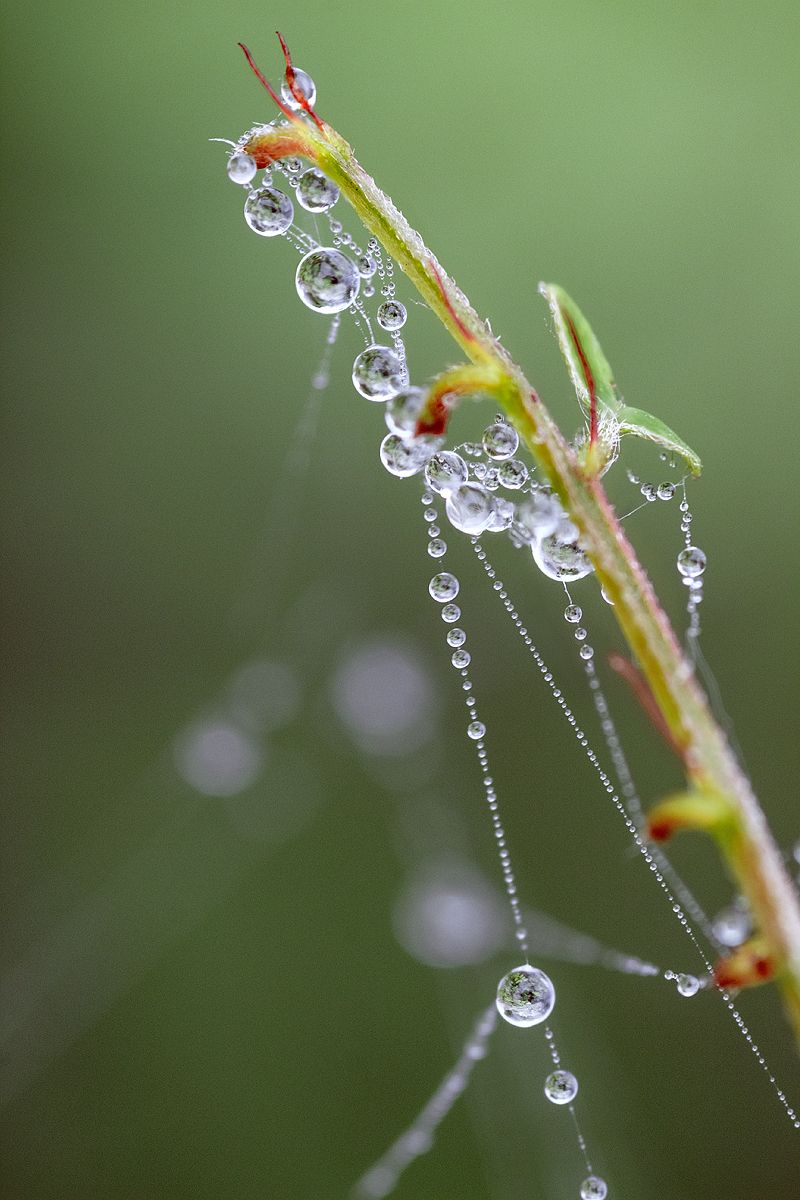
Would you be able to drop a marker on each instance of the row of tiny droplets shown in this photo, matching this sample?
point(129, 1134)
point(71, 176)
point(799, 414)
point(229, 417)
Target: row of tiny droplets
point(561, 1086)
point(687, 985)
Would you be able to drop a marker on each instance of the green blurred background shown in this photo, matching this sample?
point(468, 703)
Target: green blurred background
point(205, 995)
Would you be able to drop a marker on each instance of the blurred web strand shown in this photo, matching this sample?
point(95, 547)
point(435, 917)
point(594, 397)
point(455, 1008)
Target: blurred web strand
point(383, 1176)
point(643, 847)
point(281, 517)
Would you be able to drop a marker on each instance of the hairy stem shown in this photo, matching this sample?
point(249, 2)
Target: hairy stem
point(752, 856)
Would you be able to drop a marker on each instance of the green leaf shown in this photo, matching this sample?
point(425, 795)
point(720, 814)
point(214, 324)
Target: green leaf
point(644, 425)
point(588, 367)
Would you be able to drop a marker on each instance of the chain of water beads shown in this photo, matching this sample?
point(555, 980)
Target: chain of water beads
point(526, 995)
point(687, 985)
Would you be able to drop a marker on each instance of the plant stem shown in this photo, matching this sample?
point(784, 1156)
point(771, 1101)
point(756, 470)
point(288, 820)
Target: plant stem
point(752, 856)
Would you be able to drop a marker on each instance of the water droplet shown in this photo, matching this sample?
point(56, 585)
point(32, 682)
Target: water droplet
point(437, 548)
point(241, 167)
point(732, 926)
point(586, 652)
point(649, 491)
point(367, 266)
point(594, 1188)
point(316, 192)
point(377, 373)
point(561, 1087)
point(446, 471)
point(513, 474)
point(460, 659)
point(450, 613)
point(503, 512)
point(500, 441)
point(573, 614)
point(525, 996)
point(476, 730)
point(691, 562)
point(403, 409)
point(687, 985)
point(560, 557)
point(666, 491)
point(327, 280)
point(444, 587)
point(469, 508)
point(456, 637)
point(305, 85)
point(268, 212)
point(401, 458)
point(580, 634)
point(392, 315)
point(538, 517)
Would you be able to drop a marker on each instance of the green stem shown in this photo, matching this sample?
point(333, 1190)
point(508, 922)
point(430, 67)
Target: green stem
point(710, 763)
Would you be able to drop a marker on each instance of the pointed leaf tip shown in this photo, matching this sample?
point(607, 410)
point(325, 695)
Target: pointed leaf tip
point(645, 425)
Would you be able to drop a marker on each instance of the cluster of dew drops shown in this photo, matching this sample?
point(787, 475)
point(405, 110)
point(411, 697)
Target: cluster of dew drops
point(484, 486)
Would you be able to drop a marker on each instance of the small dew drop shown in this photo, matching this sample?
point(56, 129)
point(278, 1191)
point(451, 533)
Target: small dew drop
point(573, 614)
point(444, 587)
point(241, 167)
point(456, 637)
point(500, 441)
point(392, 315)
point(476, 730)
point(687, 985)
point(691, 562)
point(561, 1087)
point(316, 192)
point(450, 614)
point(437, 548)
point(445, 471)
point(460, 659)
point(594, 1188)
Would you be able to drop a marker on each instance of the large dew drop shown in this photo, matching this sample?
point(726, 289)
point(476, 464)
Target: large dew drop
point(525, 996)
point(327, 280)
point(403, 409)
point(561, 1087)
point(401, 458)
point(305, 85)
point(377, 373)
point(594, 1188)
point(500, 441)
point(446, 471)
point(392, 315)
point(559, 556)
point(268, 212)
point(470, 508)
point(316, 192)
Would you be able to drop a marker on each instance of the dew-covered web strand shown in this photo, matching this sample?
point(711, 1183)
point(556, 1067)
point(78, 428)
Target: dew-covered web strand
point(519, 985)
point(642, 846)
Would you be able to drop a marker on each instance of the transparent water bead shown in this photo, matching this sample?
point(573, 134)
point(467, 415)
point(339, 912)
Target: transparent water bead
point(503, 513)
point(525, 996)
point(377, 373)
point(691, 562)
point(538, 517)
point(403, 410)
point(268, 212)
point(401, 458)
point(445, 471)
point(327, 280)
point(732, 926)
point(444, 587)
point(450, 614)
point(305, 85)
point(500, 441)
point(437, 548)
point(469, 507)
point(594, 1188)
point(241, 167)
point(392, 315)
point(316, 192)
point(560, 557)
point(513, 474)
point(573, 614)
point(561, 1087)
point(367, 266)
point(666, 491)
point(456, 637)
point(461, 659)
point(687, 985)
point(476, 730)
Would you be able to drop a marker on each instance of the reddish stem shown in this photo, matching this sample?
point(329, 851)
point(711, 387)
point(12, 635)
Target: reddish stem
point(462, 328)
point(287, 112)
point(638, 685)
point(293, 88)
